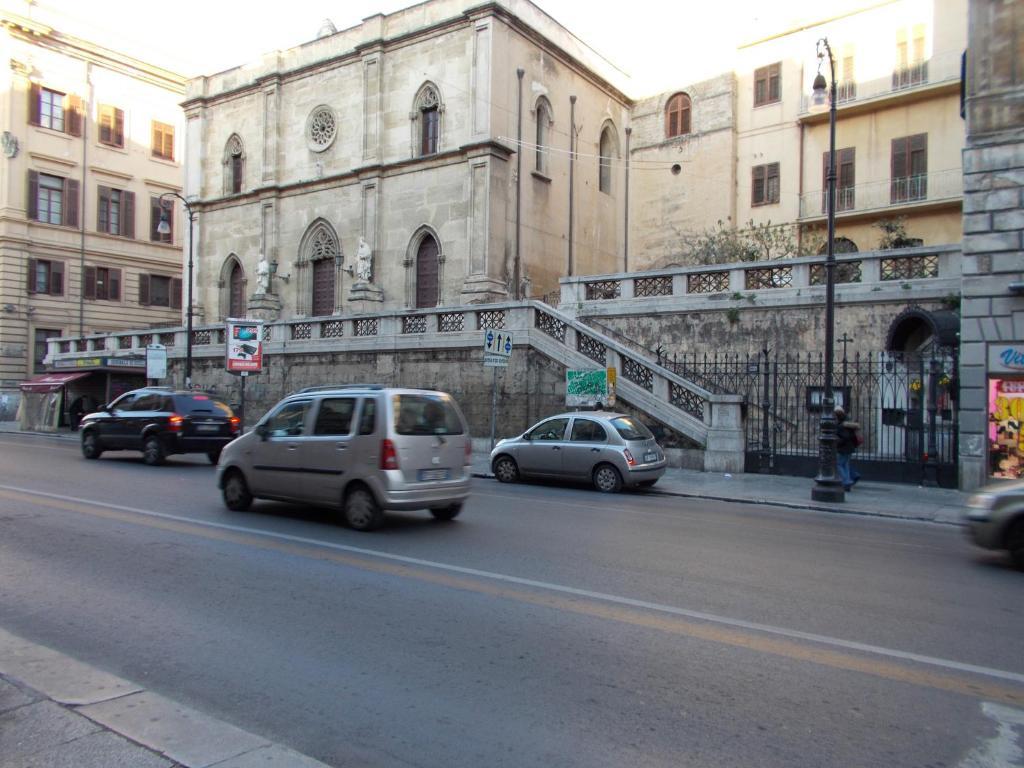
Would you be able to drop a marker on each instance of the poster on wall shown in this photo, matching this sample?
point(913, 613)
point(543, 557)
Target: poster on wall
point(1005, 421)
point(244, 353)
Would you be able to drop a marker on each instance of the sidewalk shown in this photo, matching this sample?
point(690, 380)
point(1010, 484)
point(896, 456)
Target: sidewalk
point(60, 713)
point(908, 502)
point(899, 500)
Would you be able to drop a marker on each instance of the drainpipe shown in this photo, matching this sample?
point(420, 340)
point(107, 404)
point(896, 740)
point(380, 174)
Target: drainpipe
point(625, 247)
point(517, 267)
point(81, 194)
point(572, 164)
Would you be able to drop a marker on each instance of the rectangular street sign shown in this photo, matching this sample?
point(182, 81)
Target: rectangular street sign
point(244, 346)
point(497, 347)
point(156, 361)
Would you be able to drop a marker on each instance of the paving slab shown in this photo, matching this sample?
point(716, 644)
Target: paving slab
point(57, 676)
point(181, 733)
point(12, 696)
point(274, 756)
point(102, 749)
point(27, 730)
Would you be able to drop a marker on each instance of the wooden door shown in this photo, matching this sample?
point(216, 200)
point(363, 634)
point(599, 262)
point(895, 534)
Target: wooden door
point(323, 287)
point(426, 273)
point(236, 301)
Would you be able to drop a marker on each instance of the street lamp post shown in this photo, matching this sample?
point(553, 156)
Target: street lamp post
point(827, 485)
point(164, 228)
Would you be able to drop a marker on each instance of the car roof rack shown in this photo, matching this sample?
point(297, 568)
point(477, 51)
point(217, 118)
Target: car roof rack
point(327, 387)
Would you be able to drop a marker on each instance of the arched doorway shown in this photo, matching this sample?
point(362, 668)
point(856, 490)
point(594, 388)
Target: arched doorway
point(427, 293)
point(323, 287)
point(236, 291)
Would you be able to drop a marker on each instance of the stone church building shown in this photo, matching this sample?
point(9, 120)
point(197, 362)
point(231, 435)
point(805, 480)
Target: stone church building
point(396, 140)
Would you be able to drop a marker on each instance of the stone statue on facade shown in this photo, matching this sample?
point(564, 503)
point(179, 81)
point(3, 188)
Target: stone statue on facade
point(364, 262)
point(263, 276)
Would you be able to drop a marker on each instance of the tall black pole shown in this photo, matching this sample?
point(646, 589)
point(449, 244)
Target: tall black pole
point(827, 485)
point(517, 280)
point(165, 227)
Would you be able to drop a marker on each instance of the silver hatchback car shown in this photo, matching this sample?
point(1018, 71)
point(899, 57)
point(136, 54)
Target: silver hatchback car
point(611, 450)
point(364, 449)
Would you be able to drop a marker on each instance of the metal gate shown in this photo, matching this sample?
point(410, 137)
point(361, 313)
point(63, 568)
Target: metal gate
point(906, 406)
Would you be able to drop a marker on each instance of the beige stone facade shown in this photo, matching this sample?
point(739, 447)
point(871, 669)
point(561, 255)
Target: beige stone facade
point(333, 153)
point(78, 178)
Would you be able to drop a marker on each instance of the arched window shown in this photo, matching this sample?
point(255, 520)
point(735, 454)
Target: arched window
point(319, 261)
point(427, 114)
point(544, 123)
point(677, 116)
point(427, 269)
point(234, 165)
point(839, 245)
point(608, 152)
point(232, 288)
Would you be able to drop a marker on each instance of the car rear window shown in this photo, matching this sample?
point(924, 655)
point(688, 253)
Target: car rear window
point(425, 415)
point(631, 429)
point(202, 404)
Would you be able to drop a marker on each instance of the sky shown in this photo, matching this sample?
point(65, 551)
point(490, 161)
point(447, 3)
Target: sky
point(650, 44)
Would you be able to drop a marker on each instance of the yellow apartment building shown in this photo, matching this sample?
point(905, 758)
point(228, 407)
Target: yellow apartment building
point(91, 139)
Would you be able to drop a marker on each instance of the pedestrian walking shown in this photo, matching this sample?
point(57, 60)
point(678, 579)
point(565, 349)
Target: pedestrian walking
point(847, 441)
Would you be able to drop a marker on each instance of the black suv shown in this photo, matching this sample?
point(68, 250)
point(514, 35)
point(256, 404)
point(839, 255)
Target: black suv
point(160, 422)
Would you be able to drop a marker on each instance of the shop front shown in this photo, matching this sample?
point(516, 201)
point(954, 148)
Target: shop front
point(1006, 411)
point(58, 399)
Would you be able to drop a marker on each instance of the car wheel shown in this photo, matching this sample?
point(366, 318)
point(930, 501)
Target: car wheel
point(91, 445)
point(213, 456)
point(446, 513)
point(153, 451)
point(607, 479)
point(236, 493)
point(361, 510)
point(1015, 543)
point(505, 469)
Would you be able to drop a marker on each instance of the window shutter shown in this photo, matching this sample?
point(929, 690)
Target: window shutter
point(128, 214)
point(71, 202)
point(57, 278)
point(33, 103)
point(114, 284)
point(846, 168)
point(899, 158)
point(33, 194)
point(144, 289)
point(918, 154)
point(30, 280)
point(119, 127)
point(757, 185)
point(73, 115)
point(102, 208)
point(176, 293)
point(106, 126)
point(89, 283)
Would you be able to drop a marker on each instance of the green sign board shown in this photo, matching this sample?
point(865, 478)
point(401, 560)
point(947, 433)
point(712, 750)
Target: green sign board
point(586, 387)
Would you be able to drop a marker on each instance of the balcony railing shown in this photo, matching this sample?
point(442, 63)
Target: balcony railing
point(940, 68)
point(879, 195)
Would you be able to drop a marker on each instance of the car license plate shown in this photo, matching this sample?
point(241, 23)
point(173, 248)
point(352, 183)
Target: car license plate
point(207, 427)
point(651, 456)
point(433, 474)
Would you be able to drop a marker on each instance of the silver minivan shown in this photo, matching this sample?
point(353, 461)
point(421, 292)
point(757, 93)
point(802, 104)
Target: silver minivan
point(362, 448)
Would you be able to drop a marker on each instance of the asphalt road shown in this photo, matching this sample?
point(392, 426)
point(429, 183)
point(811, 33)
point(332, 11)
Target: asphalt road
point(545, 627)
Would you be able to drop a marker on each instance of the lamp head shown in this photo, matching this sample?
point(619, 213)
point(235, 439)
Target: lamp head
point(164, 227)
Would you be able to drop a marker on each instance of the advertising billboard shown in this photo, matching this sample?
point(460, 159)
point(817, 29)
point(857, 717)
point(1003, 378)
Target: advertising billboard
point(244, 340)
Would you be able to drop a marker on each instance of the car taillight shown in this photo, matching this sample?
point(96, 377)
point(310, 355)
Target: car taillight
point(629, 457)
point(388, 455)
point(236, 423)
point(175, 422)
point(469, 452)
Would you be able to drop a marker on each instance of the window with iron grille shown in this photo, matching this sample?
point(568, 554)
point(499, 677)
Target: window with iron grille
point(366, 326)
point(764, 184)
point(909, 168)
point(603, 289)
point(638, 373)
point(911, 66)
point(910, 267)
point(846, 272)
point(707, 282)
point(124, 342)
point(769, 277)
point(302, 330)
point(332, 329)
point(490, 319)
point(414, 324)
point(146, 339)
point(592, 348)
point(202, 337)
point(687, 401)
point(550, 325)
point(167, 339)
point(768, 84)
point(451, 322)
point(653, 286)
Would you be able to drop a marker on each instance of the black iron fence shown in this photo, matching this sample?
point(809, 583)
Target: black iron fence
point(906, 406)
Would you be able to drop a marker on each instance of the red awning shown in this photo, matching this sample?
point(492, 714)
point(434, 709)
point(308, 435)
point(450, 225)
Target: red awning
point(50, 382)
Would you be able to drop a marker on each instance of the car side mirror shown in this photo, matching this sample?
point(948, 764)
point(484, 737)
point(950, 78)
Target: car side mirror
point(261, 430)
